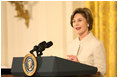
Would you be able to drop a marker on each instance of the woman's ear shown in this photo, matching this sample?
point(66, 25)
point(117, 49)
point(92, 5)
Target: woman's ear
point(88, 25)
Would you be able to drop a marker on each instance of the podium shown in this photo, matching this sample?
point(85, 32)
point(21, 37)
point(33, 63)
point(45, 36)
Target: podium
point(52, 66)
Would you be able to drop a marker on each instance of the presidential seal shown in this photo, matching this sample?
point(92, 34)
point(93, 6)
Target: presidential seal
point(29, 64)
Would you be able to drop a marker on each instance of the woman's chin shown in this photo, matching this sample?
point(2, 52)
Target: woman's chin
point(78, 32)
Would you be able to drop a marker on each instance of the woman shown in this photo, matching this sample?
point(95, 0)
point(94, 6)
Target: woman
point(86, 48)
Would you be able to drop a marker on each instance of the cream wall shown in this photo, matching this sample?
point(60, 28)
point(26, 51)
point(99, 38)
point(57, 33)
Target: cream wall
point(50, 21)
point(4, 49)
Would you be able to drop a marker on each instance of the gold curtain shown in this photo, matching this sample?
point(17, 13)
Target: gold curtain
point(105, 29)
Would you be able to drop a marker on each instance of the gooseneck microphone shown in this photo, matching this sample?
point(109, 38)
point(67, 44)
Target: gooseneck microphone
point(49, 44)
point(41, 47)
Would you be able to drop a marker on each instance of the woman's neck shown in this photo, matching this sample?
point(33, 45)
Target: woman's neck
point(81, 36)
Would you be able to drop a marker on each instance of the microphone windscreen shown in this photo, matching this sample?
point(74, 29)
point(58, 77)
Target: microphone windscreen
point(49, 44)
point(43, 43)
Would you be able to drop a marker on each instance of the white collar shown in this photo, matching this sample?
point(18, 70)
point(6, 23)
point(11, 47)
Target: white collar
point(85, 39)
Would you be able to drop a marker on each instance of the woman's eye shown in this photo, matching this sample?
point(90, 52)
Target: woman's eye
point(79, 20)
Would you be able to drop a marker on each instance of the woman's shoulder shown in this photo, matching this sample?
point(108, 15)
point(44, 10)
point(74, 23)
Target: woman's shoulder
point(96, 41)
point(74, 41)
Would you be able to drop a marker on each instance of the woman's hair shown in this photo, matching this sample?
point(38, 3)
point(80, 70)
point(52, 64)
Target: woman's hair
point(86, 13)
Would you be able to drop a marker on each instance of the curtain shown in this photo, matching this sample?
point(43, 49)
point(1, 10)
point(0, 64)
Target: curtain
point(105, 29)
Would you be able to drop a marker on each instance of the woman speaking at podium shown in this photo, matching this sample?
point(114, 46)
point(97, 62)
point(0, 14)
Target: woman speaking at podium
point(86, 48)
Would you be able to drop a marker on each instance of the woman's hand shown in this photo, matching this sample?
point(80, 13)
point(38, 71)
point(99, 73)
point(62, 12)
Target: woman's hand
point(72, 58)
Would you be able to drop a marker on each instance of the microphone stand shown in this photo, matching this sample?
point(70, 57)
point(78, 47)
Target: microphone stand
point(36, 48)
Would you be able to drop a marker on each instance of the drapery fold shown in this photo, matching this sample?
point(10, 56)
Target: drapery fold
point(105, 29)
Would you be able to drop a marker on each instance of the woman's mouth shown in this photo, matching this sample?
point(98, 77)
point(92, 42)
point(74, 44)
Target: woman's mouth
point(78, 28)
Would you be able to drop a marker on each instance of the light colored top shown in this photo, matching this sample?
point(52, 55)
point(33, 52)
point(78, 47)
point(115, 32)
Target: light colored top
point(89, 51)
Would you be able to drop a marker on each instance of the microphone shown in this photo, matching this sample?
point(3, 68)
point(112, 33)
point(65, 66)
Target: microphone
point(49, 44)
point(41, 47)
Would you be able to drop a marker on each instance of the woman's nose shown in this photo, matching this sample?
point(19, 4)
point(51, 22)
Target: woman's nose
point(76, 23)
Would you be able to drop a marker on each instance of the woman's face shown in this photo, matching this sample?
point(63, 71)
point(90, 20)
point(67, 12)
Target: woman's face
point(80, 24)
